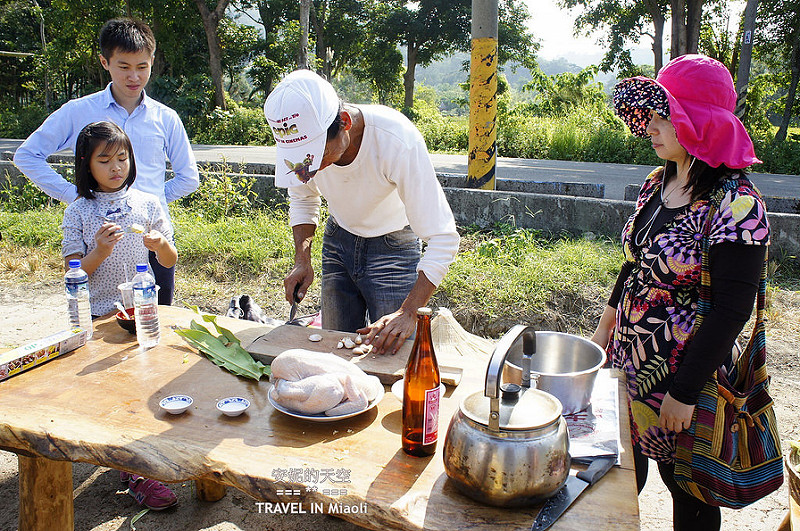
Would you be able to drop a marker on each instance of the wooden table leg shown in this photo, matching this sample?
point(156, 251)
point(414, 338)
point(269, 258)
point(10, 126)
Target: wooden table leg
point(45, 495)
point(209, 490)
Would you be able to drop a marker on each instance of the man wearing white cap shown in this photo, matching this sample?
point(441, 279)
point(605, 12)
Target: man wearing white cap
point(373, 168)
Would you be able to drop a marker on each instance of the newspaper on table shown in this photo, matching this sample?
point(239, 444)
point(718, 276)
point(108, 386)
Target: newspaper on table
point(594, 432)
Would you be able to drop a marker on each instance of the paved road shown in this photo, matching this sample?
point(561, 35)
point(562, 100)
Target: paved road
point(614, 176)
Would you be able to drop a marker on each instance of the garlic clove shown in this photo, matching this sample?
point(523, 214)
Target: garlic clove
point(315, 338)
point(358, 339)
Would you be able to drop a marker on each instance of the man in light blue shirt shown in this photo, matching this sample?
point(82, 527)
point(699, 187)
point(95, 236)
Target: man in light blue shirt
point(155, 130)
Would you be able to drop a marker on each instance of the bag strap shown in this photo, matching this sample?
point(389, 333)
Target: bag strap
point(751, 367)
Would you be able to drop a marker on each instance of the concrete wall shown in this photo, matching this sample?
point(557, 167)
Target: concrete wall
point(548, 212)
point(579, 215)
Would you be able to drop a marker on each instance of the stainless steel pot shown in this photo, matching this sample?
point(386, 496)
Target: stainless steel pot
point(511, 449)
point(564, 365)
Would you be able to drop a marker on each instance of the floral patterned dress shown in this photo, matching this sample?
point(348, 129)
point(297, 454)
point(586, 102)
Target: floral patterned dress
point(656, 311)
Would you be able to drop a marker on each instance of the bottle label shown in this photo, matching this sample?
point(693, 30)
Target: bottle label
point(430, 427)
point(145, 293)
point(74, 288)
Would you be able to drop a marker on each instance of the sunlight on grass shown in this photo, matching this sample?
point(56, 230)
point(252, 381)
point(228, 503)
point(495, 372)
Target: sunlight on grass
point(498, 279)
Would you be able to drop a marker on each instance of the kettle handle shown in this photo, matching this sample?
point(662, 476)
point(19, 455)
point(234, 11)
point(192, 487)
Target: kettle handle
point(494, 371)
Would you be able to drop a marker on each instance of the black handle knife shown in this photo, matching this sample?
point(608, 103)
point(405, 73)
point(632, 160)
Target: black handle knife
point(575, 485)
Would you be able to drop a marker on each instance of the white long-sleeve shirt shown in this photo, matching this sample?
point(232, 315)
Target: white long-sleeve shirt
point(156, 134)
point(390, 184)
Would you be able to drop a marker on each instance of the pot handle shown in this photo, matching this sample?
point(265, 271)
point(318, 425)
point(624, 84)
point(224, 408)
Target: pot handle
point(495, 369)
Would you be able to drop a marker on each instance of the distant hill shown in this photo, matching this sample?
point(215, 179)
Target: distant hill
point(455, 69)
point(451, 71)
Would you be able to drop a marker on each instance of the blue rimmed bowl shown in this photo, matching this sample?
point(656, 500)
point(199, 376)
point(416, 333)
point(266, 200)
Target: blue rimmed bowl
point(176, 404)
point(233, 406)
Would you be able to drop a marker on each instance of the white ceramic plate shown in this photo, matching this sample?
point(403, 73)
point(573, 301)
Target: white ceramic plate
point(322, 417)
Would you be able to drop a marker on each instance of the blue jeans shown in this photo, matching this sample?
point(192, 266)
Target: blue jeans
point(365, 278)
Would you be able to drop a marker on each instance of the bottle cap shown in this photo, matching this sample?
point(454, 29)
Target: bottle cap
point(424, 311)
point(74, 264)
point(141, 268)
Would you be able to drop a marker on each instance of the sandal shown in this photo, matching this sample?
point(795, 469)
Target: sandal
point(148, 492)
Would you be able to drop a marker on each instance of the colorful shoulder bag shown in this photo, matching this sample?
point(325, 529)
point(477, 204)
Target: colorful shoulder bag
point(731, 454)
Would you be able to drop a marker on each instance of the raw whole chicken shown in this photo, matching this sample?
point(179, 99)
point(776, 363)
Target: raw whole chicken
point(315, 382)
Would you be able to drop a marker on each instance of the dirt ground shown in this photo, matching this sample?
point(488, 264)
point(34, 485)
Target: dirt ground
point(30, 311)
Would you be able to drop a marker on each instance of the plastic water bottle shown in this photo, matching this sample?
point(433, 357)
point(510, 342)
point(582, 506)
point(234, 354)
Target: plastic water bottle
point(79, 310)
point(145, 304)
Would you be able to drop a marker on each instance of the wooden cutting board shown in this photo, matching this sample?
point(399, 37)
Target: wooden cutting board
point(387, 367)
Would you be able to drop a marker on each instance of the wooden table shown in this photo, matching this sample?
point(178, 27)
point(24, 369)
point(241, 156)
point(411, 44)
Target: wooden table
point(99, 404)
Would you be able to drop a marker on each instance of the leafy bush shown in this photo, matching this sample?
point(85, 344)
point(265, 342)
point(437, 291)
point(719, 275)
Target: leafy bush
point(22, 197)
point(188, 96)
point(221, 194)
point(781, 157)
point(21, 121)
point(236, 126)
point(440, 133)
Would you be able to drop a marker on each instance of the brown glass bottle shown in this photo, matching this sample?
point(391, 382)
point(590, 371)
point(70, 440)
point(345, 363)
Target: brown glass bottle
point(421, 392)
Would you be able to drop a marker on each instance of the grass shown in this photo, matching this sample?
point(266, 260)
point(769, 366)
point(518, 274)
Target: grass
point(499, 278)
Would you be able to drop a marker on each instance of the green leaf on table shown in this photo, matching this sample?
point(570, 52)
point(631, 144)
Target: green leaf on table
point(224, 350)
point(224, 331)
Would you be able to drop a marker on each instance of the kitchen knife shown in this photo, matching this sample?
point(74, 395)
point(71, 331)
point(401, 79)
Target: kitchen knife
point(295, 300)
point(575, 485)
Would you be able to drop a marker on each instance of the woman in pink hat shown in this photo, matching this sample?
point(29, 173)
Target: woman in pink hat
point(687, 112)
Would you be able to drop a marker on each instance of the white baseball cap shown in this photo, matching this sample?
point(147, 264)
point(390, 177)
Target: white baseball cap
point(299, 111)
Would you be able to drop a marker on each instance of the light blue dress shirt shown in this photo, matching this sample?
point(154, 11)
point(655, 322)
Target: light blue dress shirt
point(156, 133)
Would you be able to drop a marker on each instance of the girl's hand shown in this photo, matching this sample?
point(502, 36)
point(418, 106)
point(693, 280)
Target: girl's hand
point(107, 237)
point(154, 241)
point(675, 415)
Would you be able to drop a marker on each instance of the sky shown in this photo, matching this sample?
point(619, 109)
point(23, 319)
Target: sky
point(553, 26)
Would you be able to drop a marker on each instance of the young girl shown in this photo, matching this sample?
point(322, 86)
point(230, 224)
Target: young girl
point(110, 228)
point(101, 228)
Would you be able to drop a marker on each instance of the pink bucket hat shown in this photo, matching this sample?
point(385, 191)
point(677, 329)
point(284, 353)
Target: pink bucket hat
point(697, 95)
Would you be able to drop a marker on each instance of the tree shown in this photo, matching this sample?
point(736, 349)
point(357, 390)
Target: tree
point(429, 30)
point(379, 62)
point(780, 47)
point(433, 29)
point(557, 95)
point(281, 39)
point(302, 49)
point(686, 16)
point(343, 30)
point(239, 43)
point(622, 23)
point(514, 42)
point(211, 21)
point(746, 38)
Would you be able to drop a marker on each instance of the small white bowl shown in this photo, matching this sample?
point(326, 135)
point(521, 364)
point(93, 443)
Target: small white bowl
point(176, 404)
point(233, 406)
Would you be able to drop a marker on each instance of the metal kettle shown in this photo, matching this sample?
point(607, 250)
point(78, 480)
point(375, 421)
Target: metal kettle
point(510, 450)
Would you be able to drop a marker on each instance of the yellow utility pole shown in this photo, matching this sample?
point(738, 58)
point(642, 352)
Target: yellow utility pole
point(483, 96)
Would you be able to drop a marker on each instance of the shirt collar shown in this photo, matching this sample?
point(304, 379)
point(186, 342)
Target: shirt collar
point(108, 98)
